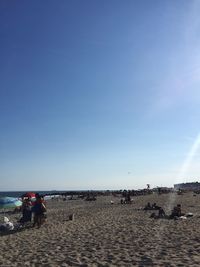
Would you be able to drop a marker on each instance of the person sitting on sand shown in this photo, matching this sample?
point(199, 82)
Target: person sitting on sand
point(148, 206)
point(176, 212)
point(155, 207)
point(39, 210)
point(153, 215)
point(179, 210)
point(128, 198)
point(161, 213)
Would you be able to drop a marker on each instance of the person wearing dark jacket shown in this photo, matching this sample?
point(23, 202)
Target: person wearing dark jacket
point(39, 210)
point(26, 212)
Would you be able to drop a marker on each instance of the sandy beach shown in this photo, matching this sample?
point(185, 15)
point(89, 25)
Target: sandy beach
point(105, 234)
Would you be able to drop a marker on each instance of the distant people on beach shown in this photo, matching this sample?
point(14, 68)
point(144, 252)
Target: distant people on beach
point(180, 192)
point(39, 210)
point(148, 206)
point(154, 206)
point(161, 213)
point(90, 197)
point(176, 212)
point(126, 198)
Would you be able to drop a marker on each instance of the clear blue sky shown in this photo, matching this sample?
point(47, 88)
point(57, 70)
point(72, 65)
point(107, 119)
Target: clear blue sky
point(98, 94)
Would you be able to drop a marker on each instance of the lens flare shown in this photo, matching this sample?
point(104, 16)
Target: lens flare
point(172, 196)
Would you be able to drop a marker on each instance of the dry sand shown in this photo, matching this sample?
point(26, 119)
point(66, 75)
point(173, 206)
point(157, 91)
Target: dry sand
point(107, 235)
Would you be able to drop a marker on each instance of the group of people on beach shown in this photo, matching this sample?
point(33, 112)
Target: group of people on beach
point(126, 198)
point(175, 213)
point(154, 206)
point(36, 208)
point(32, 210)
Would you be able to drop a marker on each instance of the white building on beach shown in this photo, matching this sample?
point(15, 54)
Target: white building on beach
point(187, 186)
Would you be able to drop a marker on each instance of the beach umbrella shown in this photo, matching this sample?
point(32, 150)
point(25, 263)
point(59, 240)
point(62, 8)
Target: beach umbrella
point(28, 195)
point(9, 202)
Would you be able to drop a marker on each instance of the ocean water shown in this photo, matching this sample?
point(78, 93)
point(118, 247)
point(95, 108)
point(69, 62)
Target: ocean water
point(20, 193)
point(52, 192)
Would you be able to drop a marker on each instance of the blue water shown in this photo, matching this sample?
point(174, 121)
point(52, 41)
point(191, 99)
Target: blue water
point(20, 193)
point(52, 192)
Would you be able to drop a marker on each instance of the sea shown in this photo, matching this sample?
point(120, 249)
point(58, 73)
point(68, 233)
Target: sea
point(20, 193)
